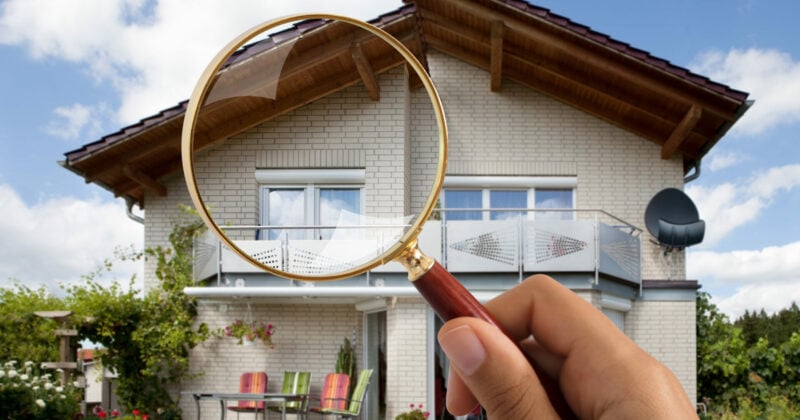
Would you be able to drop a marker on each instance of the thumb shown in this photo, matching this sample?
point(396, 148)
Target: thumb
point(487, 366)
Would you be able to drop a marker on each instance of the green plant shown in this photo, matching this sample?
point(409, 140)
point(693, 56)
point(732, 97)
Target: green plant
point(346, 363)
point(24, 333)
point(28, 393)
point(146, 338)
point(250, 331)
point(415, 413)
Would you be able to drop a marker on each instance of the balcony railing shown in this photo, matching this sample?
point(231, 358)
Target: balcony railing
point(516, 241)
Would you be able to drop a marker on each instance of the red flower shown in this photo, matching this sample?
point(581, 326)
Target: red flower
point(135, 412)
point(145, 417)
point(426, 414)
point(115, 413)
point(102, 414)
point(411, 405)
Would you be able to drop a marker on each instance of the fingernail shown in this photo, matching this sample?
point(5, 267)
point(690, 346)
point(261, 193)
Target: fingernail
point(464, 349)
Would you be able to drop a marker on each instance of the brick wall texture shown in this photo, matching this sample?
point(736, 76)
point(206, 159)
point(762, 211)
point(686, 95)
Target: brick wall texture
point(516, 131)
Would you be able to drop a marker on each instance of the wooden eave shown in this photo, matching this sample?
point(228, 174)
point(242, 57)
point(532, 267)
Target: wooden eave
point(684, 113)
point(132, 162)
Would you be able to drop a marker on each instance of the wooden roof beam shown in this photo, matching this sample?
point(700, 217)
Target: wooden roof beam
point(610, 66)
point(496, 61)
point(365, 71)
point(170, 145)
point(144, 180)
point(681, 131)
point(511, 58)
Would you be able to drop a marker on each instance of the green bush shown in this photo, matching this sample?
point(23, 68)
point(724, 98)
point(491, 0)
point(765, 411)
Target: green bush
point(26, 393)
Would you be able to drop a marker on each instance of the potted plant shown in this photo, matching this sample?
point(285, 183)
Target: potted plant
point(249, 332)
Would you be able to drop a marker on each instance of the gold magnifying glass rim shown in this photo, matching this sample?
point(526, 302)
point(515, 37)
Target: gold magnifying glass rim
point(201, 90)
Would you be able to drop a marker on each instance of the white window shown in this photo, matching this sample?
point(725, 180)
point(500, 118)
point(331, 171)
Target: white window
point(306, 201)
point(508, 193)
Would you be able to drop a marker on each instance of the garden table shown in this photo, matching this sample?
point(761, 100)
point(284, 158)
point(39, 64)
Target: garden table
point(222, 397)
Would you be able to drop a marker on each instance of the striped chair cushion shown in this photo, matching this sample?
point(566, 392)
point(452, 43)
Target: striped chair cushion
point(251, 383)
point(334, 391)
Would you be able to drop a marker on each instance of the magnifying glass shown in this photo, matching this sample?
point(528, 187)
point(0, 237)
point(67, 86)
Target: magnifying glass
point(314, 147)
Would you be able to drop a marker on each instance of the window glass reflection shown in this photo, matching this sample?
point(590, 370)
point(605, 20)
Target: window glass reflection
point(339, 206)
point(463, 199)
point(554, 199)
point(287, 207)
point(507, 200)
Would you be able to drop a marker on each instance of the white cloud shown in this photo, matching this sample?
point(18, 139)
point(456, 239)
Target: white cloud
point(773, 264)
point(754, 297)
point(719, 161)
point(60, 239)
point(730, 205)
point(151, 52)
point(772, 78)
point(71, 121)
point(768, 278)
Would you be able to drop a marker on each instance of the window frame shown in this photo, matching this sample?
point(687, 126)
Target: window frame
point(529, 184)
point(311, 181)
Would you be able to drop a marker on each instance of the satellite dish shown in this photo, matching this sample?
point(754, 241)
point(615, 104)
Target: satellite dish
point(672, 218)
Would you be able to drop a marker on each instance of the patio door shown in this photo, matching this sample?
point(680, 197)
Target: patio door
point(375, 359)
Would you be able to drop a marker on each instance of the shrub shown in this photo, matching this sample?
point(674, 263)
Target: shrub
point(27, 393)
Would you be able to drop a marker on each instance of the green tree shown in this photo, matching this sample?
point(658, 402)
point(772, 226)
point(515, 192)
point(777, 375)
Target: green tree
point(26, 336)
point(720, 362)
point(146, 339)
point(777, 328)
point(741, 379)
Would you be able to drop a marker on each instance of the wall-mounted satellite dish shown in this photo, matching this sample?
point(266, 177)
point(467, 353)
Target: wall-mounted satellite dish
point(672, 218)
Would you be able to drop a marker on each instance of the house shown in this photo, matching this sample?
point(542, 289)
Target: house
point(564, 128)
point(98, 382)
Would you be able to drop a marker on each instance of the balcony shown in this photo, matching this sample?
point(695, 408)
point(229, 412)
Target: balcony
point(529, 241)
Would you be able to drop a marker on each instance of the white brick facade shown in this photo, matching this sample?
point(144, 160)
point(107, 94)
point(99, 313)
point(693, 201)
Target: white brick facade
point(406, 358)
point(512, 132)
point(307, 338)
point(666, 330)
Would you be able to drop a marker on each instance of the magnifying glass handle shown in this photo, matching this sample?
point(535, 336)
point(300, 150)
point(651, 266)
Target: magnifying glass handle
point(449, 299)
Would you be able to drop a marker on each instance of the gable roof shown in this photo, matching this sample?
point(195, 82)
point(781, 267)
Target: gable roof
point(683, 112)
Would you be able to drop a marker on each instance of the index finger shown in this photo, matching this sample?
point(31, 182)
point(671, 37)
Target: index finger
point(560, 320)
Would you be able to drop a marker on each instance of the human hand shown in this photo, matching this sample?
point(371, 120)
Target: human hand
point(600, 371)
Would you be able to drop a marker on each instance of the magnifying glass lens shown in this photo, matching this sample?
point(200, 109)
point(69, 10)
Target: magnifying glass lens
point(316, 145)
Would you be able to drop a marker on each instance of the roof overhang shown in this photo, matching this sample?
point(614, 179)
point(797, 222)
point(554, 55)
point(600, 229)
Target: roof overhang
point(684, 113)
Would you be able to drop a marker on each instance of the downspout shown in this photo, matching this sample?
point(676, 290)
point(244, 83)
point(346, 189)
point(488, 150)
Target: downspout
point(129, 211)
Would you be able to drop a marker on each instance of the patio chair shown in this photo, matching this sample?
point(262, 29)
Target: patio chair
point(251, 383)
point(356, 400)
point(334, 393)
point(298, 383)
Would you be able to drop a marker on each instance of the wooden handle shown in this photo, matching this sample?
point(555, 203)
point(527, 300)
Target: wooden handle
point(449, 299)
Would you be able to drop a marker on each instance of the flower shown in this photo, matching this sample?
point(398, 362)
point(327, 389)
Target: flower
point(40, 403)
point(416, 413)
point(12, 373)
point(115, 413)
point(135, 412)
point(251, 331)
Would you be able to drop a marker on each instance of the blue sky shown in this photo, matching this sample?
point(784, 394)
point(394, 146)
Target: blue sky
point(74, 71)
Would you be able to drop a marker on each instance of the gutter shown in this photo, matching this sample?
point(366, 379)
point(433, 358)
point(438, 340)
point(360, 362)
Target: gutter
point(129, 211)
point(720, 133)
